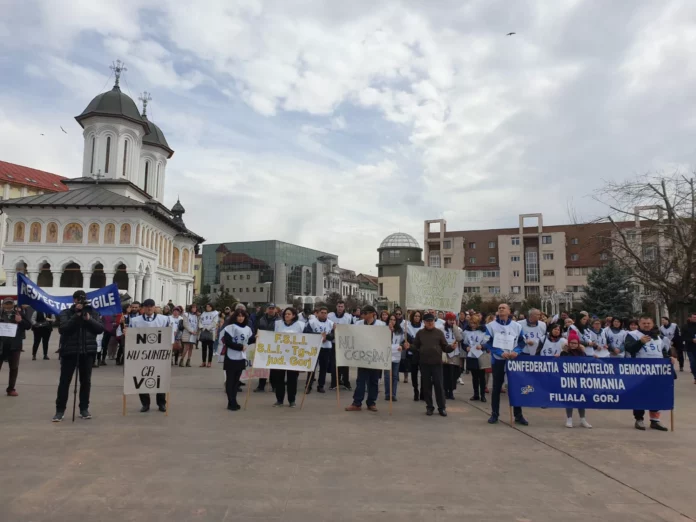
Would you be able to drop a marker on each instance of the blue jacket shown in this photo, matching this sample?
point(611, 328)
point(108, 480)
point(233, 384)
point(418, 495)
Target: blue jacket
point(496, 325)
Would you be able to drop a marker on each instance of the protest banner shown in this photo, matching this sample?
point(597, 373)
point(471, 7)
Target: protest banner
point(360, 346)
point(584, 382)
point(250, 372)
point(284, 351)
point(434, 288)
point(105, 301)
point(147, 366)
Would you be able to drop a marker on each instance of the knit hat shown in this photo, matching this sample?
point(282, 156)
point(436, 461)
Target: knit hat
point(450, 315)
point(573, 336)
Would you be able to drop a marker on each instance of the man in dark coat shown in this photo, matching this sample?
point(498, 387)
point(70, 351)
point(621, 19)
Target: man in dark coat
point(11, 346)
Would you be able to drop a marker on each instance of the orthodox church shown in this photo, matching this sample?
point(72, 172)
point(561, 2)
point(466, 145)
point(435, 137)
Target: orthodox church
point(111, 224)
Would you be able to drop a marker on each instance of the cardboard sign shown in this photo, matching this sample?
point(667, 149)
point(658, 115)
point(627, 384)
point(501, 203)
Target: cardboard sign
point(250, 372)
point(361, 346)
point(434, 288)
point(287, 351)
point(147, 366)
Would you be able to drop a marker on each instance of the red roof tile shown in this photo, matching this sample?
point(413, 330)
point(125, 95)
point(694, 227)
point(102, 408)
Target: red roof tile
point(20, 175)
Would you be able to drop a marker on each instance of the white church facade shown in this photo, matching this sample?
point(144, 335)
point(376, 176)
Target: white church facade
point(110, 225)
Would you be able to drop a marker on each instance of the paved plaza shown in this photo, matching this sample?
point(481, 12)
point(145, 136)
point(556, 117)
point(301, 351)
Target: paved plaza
point(203, 462)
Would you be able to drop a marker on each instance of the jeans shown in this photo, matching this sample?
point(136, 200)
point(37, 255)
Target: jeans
point(233, 371)
point(13, 363)
point(692, 362)
point(498, 379)
point(431, 374)
point(581, 412)
point(392, 375)
point(207, 351)
point(367, 378)
point(68, 364)
point(41, 336)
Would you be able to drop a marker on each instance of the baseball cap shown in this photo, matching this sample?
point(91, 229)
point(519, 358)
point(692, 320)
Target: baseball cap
point(149, 302)
point(429, 317)
point(79, 294)
point(8, 300)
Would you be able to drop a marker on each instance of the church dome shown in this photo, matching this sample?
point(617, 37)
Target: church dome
point(155, 137)
point(115, 104)
point(400, 240)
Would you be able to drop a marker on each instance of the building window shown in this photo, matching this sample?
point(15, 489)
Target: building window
point(572, 288)
point(248, 277)
point(574, 257)
point(515, 259)
point(548, 257)
point(381, 289)
point(515, 273)
point(631, 235)
point(247, 290)
point(549, 273)
point(531, 290)
point(472, 260)
point(604, 256)
point(472, 245)
point(491, 274)
point(91, 163)
point(515, 289)
point(492, 260)
point(545, 240)
point(549, 289)
point(574, 241)
point(108, 154)
point(448, 261)
point(491, 244)
point(394, 254)
point(125, 156)
point(156, 191)
point(253, 289)
point(649, 253)
point(447, 244)
point(472, 290)
point(434, 260)
point(493, 289)
point(147, 177)
point(531, 269)
point(515, 241)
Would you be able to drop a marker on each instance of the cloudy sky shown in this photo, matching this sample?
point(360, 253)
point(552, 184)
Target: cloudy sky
point(333, 124)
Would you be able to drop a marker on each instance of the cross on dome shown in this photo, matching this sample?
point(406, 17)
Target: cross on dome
point(118, 67)
point(145, 98)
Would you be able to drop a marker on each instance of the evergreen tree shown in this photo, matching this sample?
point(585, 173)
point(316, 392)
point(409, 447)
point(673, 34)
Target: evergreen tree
point(609, 291)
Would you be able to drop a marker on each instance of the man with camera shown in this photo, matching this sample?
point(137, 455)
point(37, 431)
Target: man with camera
point(11, 340)
point(79, 327)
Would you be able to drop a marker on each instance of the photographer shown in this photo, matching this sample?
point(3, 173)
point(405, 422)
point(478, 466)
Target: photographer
point(79, 328)
point(11, 347)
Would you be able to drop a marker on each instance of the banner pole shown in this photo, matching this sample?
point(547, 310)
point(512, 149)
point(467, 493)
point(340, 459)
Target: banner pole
point(309, 380)
point(124, 404)
point(246, 400)
point(671, 419)
point(166, 412)
point(391, 390)
point(338, 387)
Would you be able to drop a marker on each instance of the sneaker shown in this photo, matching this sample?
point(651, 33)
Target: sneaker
point(58, 417)
point(278, 404)
point(333, 388)
point(85, 414)
point(493, 419)
point(292, 405)
point(639, 425)
point(353, 407)
point(655, 425)
point(348, 387)
point(585, 424)
point(443, 413)
point(321, 389)
point(522, 421)
point(12, 393)
point(429, 412)
point(372, 408)
point(460, 381)
point(569, 423)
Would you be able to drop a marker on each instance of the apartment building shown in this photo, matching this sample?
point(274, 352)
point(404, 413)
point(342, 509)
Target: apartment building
point(531, 259)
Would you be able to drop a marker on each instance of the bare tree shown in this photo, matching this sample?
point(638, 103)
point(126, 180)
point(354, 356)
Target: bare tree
point(652, 233)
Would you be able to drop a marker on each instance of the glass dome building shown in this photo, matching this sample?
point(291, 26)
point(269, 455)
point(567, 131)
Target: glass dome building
point(396, 252)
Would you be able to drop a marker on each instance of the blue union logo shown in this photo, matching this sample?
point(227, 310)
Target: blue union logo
point(526, 390)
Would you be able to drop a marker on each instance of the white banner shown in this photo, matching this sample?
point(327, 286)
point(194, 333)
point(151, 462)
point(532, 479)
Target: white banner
point(287, 351)
point(147, 366)
point(361, 346)
point(434, 288)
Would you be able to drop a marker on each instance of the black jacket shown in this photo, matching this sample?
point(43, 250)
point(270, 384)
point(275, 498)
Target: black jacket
point(13, 344)
point(73, 327)
point(688, 333)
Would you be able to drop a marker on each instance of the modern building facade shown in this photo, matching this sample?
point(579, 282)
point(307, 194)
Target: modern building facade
point(532, 259)
point(396, 252)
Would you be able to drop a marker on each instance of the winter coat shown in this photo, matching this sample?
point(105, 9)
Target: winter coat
point(72, 329)
point(13, 344)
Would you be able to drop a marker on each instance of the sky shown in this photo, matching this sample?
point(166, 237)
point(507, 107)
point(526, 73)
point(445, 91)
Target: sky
point(334, 124)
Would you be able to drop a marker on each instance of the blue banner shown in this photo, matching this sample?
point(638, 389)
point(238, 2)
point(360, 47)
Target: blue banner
point(106, 301)
point(586, 382)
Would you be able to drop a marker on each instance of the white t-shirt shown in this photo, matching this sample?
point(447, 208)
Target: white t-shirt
point(239, 335)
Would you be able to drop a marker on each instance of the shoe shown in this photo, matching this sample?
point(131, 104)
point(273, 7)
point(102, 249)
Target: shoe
point(278, 404)
point(348, 387)
point(504, 390)
point(203, 365)
point(450, 396)
point(46, 358)
point(405, 381)
point(292, 405)
point(487, 390)
point(569, 423)
point(353, 407)
point(429, 412)
point(103, 363)
point(33, 358)
point(483, 398)
point(12, 393)
point(309, 390)
point(585, 424)
point(234, 407)
point(639, 425)
point(332, 388)
point(321, 389)
point(416, 397)
point(475, 398)
point(85, 414)
point(239, 389)
point(144, 409)
point(443, 413)
point(210, 365)
point(162, 408)
point(681, 369)
point(493, 419)
point(372, 408)
point(393, 399)
point(181, 364)
point(460, 381)
point(259, 390)
point(188, 363)
point(657, 426)
point(521, 421)
point(57, 417)
point(95, 365)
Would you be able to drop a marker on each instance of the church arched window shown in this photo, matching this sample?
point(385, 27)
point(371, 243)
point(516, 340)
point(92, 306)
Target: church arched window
point(147, 176)
point(156, 191)
point(91, 163)
point(108, 153)
point(125, 156)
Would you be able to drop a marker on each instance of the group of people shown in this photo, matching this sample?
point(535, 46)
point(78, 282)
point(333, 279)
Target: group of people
point(433, 349)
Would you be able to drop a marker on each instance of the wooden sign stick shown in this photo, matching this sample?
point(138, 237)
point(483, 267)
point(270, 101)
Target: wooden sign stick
point(309, 380)
point(246, 400)
point(124, 404)
point(338, 387)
